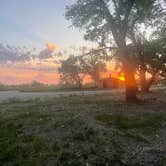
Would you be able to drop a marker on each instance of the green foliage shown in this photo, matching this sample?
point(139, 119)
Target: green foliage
point(94, 64)
point(72, 71)
point(102, 18)
point(151, 58)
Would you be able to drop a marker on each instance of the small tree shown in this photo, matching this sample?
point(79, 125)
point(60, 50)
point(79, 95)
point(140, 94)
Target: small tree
point(94, 64)
point(154, 60)
point(149, 46)
point(71, 71)
point(150, 55)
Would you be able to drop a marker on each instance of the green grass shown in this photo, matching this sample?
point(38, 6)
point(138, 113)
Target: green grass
point(24, 141)
point(40, 87)
point(33, 87)
point(71, 131)
point(144, 124)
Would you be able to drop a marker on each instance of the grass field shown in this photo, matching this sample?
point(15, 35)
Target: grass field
point(39, 87)
point(96, 130)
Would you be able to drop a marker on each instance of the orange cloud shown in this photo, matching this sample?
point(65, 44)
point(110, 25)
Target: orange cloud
point(52, 47)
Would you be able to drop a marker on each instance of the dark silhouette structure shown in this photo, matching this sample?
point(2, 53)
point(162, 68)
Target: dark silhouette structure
point(111, 82)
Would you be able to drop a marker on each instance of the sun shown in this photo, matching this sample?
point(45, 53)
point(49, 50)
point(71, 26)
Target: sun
point(122, 78)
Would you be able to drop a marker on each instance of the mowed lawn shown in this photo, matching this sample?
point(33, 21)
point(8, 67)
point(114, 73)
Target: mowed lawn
point(94, 130)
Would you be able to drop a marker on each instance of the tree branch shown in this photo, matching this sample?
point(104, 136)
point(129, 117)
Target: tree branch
point(97, 50)
point(126, 17)
point(117, 9)
point(110, 21)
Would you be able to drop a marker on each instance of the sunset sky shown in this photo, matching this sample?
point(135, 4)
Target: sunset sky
point(30, 24)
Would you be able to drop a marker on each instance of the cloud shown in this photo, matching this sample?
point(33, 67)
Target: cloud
point(13, 54)
point(52, 47)
point(42, 68)
point(45, 54)
point(48, 52)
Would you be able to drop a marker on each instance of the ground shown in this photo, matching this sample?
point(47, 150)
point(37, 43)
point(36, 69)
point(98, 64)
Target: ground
point(14, 94)
point(88, 130)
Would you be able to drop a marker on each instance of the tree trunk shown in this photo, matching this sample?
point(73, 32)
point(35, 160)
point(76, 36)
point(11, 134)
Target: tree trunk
point(129, 74)
point(130, 83)
point(80, 85)
point(149, 83)
point(143, 78)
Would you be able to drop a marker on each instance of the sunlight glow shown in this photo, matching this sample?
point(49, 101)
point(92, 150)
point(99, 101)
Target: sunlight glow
point(122, 78)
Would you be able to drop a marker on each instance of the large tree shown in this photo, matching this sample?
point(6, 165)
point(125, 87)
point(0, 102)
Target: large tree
point(107, 22)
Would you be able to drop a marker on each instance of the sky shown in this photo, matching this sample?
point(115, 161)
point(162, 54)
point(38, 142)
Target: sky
point(36, 22)
point(34, 25)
